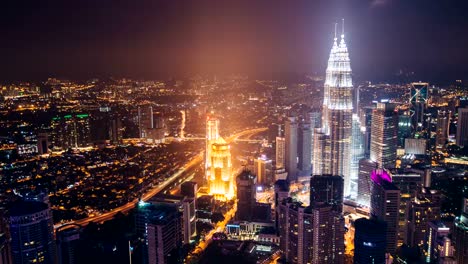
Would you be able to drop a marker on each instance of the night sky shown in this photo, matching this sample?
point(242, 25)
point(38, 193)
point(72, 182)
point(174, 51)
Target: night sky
point(154, 39)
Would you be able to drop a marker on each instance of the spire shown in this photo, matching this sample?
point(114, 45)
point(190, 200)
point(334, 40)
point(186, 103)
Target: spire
point(336, 24)
point(342, 28)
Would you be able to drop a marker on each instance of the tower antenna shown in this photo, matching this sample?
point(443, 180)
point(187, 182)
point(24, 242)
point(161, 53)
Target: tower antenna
point(342, 27)
point(336, 24)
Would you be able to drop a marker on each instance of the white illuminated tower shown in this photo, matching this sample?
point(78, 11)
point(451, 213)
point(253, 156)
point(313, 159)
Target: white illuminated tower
point(338, 110)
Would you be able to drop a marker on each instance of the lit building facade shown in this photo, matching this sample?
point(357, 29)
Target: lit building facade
point(418, 104)
point(280, 145)
point(212, 134)
point(338, 110)
point(384, 135)
point(290, 150)
point(462, 127)
point(442, 129)
point(220, 180)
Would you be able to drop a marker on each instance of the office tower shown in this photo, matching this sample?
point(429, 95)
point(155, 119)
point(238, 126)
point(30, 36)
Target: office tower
point(32, 232)
point(159, 225)
point(423, 209)
point(68, 239)
point(186, 207)
point(442, 128)
point(280, 152)
point(221, 180)
point(384, 135)
point(42, 143)
point(281, 193)
point(311, 234)
point(366, 166)
point(337, 110)
point(404, 129)
point(357, 153)
point(71, 131)
point(106, 125)
point(321, 163)
point(212, 135)
point(315, 119)
point(460, 234)
point(418, 103)
point(462, 127)
point(189, 189)
point(385, 203)
point(415, 146)
point(245, 183)
point(327, 189)
point(439, 246)
point(369, 241)
point(290, 150)
point(263, 169)
point(304, 150)
point(366, 128)
point(145, 119)
point(409, 181)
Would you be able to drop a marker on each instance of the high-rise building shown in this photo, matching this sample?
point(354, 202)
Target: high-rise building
point(357, 153)
point(221, 180)
point(290, 157)
point(189, 189)
point(369, 241)
point(42, 143)
point(338, 109)
point(321, 163)
point(311, 234)
point(280, 152)
point(404, 129)
point(366, 166)
point(385, 205)
point(106, 125)
point(281, 193)
point(304, 149)
point(263, 169)
point(439, 247)
point(462, 127)
point(384, 135)
point(418, 104)
point(145, 119)
point(415, 146)
point(366, 128)
point(442, 128)
point(409, 181)
point(422, 210)
point(5, 239)
point(460, 234)
point(68, 239)
point(71, 131)
point(159, 225)
point(32, 232)
point(327, 189)
point(315, 117)
point(212, 135)
point(245, 183)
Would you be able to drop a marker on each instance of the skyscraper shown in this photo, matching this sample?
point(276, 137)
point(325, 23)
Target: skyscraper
point(32, 232)
point(442, 128)
point(369, 241)
point(221, 181)
point(418, 103)
point(422, 210)
point(462, 127)
point(358, 153)
point(337, 110)
point(384, 135)
point(327, 189)
point(159, 226)
point(245, 183)
point(280, 152)
point(67, 243)
point(366, 166)
point(263, 169)
point(321, 163)
point(404, 129)
point(315, 117)
point(290, 157)
point(212, 134)
point(385, 204)
point(304, 149)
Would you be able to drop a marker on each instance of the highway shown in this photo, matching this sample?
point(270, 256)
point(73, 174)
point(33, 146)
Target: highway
point(155, 190)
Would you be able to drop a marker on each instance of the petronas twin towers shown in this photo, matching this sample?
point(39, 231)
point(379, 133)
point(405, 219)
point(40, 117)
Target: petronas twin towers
point(335, 134)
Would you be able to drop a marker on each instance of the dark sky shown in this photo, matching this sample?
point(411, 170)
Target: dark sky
point(159, 38)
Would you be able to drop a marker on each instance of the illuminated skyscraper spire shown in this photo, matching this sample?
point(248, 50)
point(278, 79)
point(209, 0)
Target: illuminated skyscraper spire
point(337, 109)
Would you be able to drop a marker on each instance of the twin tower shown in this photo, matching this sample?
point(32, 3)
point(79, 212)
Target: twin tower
point(334, 137)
